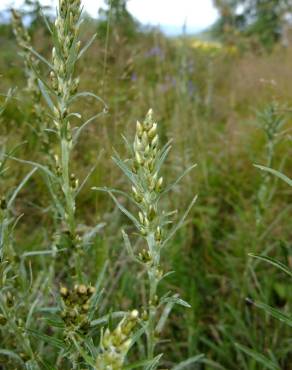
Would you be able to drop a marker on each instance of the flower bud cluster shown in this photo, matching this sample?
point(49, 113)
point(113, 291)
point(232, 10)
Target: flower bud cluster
point(74, 181)
point(146, 155)
point(146, 163)
point(31, 64)
point(24, 41)
point(64, 53)
point(115, 344)
point(20, 32)
point(76, 304)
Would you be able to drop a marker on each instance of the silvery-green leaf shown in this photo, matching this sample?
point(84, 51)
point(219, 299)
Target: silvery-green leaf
point(89, 360)
point(105, 319)
point(40, 57)
point(87, 45)
point(171, 186)
point(276, 173)
point(125, 169)
point(153, 364)
point(58, 343)
point(19, 187)
point(128, 246)
point(180, 223)
point(46, 95)
point(176, 300)
point(164, 153)
point(87, 94)
point(277, 314)
point(125, 211)
point(84, 125)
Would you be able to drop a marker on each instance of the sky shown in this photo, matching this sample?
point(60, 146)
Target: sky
point(169, 14)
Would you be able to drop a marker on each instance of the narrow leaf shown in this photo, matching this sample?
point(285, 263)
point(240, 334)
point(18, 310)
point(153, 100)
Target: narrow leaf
point(46, 22)
point(277, 314)
point(273, 262)
point(164, 153)
point(176, 300)
point(171, 186)
point(190, 361)
point(280, 175)
point(47, 339)
point(128, 246)
point(125, 169)
point(40, 166)
point(40, 57)
point(82, 127)
point(105, 319)
point(11, 354)
point(87, 94)
point(20, 186)
point(88, 44)
point(154, 363)
point(180, 223)
point(30, 313)
point(125, 211)
point(261, 359)
point(138, 364)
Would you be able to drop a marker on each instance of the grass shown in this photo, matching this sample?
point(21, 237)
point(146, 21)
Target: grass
point(79, 278)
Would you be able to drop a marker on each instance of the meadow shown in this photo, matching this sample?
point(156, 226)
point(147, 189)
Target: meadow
point(149, 245)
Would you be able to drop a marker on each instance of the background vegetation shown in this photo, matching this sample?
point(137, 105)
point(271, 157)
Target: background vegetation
point(226, 102)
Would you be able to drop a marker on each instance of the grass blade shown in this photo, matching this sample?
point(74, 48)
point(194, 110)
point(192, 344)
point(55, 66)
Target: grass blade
point(276, 173)
point(261, 359)
point(273, 262)
point(190, 361)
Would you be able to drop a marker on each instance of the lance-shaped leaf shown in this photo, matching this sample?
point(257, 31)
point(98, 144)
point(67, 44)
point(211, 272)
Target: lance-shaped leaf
point(261, 359)
point(273, 262)
point(276, 173)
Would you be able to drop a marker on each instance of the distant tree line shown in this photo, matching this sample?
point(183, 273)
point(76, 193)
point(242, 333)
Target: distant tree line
point(259, 21)
point(114, 17)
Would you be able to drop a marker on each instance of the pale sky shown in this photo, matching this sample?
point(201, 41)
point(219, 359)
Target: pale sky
point(169, 14)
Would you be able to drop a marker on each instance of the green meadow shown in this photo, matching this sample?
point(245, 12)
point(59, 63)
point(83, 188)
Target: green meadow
point(149, 245)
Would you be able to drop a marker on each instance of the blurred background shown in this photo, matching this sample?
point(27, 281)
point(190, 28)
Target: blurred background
point(219, 79)
point(198, 16)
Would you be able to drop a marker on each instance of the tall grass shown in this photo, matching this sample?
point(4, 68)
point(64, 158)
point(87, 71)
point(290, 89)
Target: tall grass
point(73, 315)
point(86, 278)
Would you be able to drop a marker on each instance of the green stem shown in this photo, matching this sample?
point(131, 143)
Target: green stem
point(151, 341)
point(66, 186)
point(152, 310)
